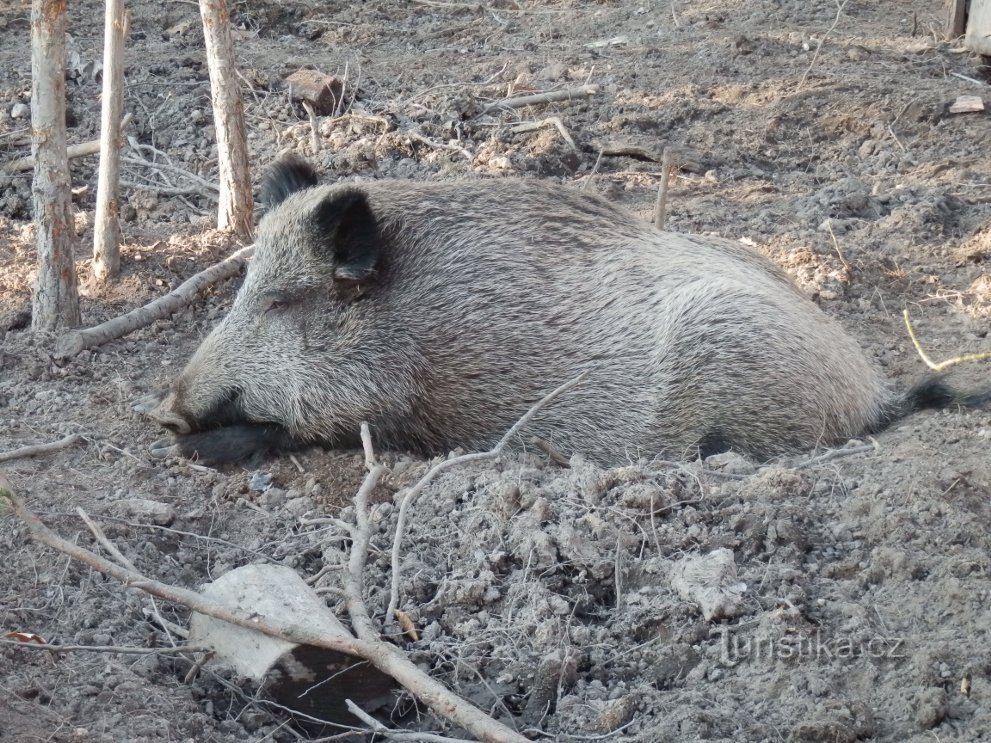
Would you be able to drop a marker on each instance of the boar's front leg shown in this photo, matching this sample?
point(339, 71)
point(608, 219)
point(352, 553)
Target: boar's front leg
point(227, 444)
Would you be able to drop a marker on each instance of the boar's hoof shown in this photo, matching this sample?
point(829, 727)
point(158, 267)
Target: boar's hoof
point(163, 448)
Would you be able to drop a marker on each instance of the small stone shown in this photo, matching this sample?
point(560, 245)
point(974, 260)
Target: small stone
point(299, 506)
point(143, 509)
point(273, 498)
point(501, 162)
point(260, 481)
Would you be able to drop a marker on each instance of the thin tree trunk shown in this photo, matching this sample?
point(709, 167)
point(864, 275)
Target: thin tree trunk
point(106, 233)
point(55, 301)
point(236, 203)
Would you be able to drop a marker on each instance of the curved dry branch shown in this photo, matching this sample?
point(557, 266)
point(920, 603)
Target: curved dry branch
point(77, 341)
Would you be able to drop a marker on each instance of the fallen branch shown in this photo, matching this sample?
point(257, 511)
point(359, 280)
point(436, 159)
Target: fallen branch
point(411, 495)
point(368, 645)
point(940, 366)
point(408, 735)
point(122, 649)
point(839, 12)
point(582, 91)
point(836, 454)
point(661, 205)
point(387, 657)
point(555, 121)
point(76, 341)
point(416, 136)
point(75, 150)
point(36, 449)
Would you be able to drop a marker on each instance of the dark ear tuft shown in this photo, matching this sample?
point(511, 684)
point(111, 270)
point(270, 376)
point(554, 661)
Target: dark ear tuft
point(286, 176)
point(347, 231)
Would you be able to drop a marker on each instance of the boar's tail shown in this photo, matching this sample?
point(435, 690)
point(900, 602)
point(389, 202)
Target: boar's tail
point(928, 394)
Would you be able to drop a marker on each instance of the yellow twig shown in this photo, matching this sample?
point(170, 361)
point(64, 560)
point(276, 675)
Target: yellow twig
point(940, 366)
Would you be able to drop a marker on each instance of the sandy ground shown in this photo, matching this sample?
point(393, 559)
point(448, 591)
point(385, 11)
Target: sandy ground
point(542, 594)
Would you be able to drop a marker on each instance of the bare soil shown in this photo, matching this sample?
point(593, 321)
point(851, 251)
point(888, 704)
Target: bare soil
point(541, 593)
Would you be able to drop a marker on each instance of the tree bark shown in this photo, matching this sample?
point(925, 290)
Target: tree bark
point(236, 203)
point(106, 232)
point(55, 299)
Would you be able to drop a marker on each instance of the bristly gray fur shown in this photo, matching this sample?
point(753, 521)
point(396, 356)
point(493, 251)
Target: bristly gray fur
point(482, 296)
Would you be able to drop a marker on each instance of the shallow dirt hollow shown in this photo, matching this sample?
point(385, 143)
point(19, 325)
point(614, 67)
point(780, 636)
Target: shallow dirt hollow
point(542, 594)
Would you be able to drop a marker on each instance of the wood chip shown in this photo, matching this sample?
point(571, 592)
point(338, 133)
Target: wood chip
point(966, 104)
point(323, 92)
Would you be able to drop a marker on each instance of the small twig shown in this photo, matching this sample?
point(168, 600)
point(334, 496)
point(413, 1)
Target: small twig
point(36, 449)
point(550, 96)
point(964, 77)
point(895, 137)
point(836, 246)
point(76, 150)
point(440, 146)
point(76, 341)
point(292, 458)
point(551, 451)
point(595, 170)
point(940, 366)
point(368, 645)
point(123, 650)
point(555, 121)
point(160, 167)
point(411, 495)
point(406, 735)
point(836, 454)
point(366, 445)
point(661, 205)
point(815, 56)
point(314, 134)
point(104, 542)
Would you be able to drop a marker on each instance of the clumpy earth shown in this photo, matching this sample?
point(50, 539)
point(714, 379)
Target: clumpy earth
point(542, 593)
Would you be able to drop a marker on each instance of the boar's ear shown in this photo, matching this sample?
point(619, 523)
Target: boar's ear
point(285, 177)
point(348, 235)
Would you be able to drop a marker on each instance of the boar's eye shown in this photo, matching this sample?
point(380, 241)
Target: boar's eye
point(275, 304)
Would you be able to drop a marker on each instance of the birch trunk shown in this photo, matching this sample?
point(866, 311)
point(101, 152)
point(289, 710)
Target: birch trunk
point(55, 301)
point(236, 203)
point(106, 232)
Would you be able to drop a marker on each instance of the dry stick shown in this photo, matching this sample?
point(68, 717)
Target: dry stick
point(388, 658)
point(123, 650)
point(661, 205)
point(439, 146)
point(414, 492)
point(314, 134)
point(101, 538)
point(106, 230)
point(36, 449)
point(382, 730)
point(566, 94)
point(940, 366)
point(74, 150)
point(212, 187)
point(274, 627)
point(368, 645)
point(836, 246)
point(836, 454)
point(76, 341)
point(555, 121)
point(815, 56)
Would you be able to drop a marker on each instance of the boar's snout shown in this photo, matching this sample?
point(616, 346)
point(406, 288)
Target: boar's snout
point(169, 416)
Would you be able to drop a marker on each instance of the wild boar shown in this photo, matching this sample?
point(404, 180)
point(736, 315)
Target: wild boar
point(440, 312)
